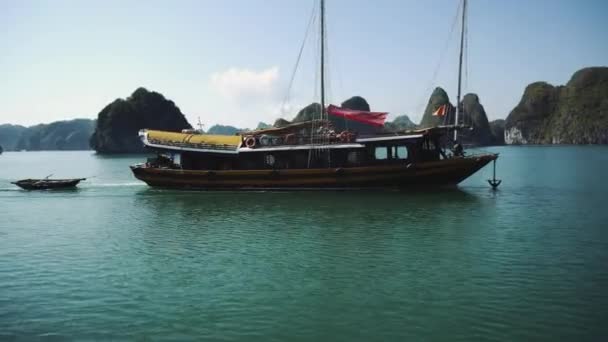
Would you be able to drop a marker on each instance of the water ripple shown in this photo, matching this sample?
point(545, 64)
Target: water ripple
point(117, 260)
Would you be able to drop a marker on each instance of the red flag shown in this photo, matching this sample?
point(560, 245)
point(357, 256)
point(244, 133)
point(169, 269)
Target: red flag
point(441, 111)
point(368, 118)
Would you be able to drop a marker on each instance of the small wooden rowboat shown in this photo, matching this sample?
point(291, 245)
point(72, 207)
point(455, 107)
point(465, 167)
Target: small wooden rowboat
point(46, 184)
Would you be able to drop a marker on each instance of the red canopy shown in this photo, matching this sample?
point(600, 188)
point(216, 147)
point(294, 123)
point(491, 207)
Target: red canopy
point(368, 118)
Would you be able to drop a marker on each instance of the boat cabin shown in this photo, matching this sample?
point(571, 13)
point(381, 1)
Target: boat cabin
point(283, 149)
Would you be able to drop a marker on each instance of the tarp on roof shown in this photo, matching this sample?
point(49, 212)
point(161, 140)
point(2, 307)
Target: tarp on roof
point(162, 137)
point(369, 118)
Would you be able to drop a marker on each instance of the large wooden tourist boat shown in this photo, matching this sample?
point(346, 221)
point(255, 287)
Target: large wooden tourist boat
point(339, 148)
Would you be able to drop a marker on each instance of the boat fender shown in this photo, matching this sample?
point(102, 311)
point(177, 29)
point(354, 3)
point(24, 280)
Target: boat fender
point(250, 141)
point(265, 140)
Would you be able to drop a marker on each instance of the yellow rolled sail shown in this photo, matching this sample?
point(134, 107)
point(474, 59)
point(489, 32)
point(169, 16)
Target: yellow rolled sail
point(184, 139)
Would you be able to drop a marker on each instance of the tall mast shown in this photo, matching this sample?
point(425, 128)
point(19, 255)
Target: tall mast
point(462, 29)
point(322, 58)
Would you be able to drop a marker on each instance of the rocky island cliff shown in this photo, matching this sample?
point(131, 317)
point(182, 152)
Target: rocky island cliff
point(575, 113)
point(119, 122)
point(400, 123)
point(473, 115)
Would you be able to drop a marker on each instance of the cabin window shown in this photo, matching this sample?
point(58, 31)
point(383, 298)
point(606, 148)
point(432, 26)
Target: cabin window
point(353, 157)
point(177, 159)
point(381, 153)
point(400, 152)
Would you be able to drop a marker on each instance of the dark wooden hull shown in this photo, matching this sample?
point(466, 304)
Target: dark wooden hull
point(437, 173)
point(48, 184)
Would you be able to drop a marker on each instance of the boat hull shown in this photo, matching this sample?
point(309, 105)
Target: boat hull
point(447, 172)
point(43, 184)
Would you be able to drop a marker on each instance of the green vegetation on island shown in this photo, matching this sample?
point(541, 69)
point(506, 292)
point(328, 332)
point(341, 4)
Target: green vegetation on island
point(223, 130)
point(498, 131)
point(400, 123)
point(59, 135)
point(119, 122)
point(576, 113)
point(473, 115)
point(9, 136)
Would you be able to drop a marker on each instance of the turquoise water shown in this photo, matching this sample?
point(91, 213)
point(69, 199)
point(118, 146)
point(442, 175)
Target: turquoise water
point(118, 260)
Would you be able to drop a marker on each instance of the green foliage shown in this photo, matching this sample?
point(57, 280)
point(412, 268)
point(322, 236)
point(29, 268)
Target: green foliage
point(313, 111)
point(474, 116)
point(356, 103)
point(401, 123)
point(281, 123)
point(497, 127)
point(576, 113)
point(223, 130)
point(59, 135)
point(438, 98)
point(9, 136)
point(310, 112)
point(119, 122)
point(263, 125)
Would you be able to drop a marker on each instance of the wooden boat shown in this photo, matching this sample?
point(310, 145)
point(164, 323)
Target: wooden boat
point(415, 158)
point(339, 148)
point(48, 184)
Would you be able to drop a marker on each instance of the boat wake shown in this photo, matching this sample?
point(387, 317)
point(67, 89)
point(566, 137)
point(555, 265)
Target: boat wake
point(111, 185)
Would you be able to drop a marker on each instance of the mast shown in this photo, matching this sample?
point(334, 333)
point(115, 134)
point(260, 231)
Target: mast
point(464, 11)
point(322, 72)
point(322, 58)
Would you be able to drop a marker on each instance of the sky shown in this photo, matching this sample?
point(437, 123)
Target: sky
point(231, 61)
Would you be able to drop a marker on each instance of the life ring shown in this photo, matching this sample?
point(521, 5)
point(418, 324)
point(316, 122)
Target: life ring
point(250, 141)
point(265, 140)
point(277, 141)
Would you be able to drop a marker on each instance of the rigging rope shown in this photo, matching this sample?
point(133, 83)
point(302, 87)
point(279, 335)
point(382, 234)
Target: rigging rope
point(466, 65)
point(442, 55)
point(327, 94)
point(311, 21)
point(313, 127)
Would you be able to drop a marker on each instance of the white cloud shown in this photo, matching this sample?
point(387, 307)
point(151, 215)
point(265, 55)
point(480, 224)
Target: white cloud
point(244, 97)
point(245, 86)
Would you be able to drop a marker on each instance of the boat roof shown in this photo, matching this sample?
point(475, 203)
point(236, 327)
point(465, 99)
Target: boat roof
point(190, 141)
point(232, 144)
point(389, 137)
point(300, 147)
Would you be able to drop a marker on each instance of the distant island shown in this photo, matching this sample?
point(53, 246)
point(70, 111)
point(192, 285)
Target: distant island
point(483, 132)
point(60, 135)
point(575, 113)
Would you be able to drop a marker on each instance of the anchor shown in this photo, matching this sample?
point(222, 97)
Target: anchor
point(494, 182)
